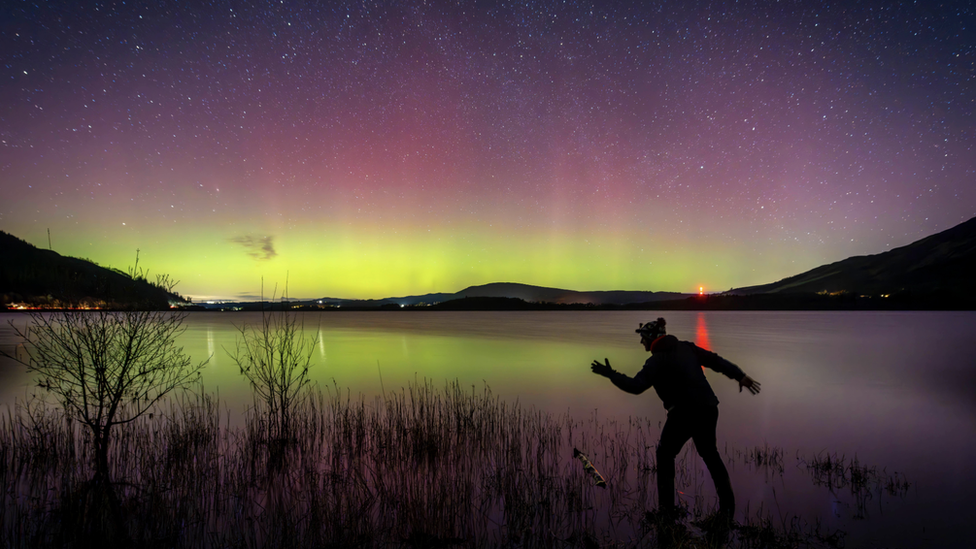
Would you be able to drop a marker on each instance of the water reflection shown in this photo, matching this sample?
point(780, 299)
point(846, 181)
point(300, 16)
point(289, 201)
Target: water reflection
point(211, 346)
point(321, 341)
point(701, 333)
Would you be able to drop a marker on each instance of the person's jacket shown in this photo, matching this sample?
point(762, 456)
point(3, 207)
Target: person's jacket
point(674, 370)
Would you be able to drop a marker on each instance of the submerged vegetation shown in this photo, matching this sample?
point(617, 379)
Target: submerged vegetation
point(424, 467)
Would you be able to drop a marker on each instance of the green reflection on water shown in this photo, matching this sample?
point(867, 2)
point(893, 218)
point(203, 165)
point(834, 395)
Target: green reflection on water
point(532, 359)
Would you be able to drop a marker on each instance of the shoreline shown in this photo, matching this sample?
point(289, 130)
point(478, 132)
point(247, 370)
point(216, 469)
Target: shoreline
point(716, 302)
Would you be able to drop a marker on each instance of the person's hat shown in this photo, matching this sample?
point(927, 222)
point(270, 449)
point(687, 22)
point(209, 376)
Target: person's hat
point(652, 330)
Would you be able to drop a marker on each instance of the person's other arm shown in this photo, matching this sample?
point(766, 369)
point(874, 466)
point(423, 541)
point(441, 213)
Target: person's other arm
point(727, 368)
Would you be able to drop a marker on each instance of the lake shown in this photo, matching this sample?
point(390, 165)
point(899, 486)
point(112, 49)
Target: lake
point(895, 389)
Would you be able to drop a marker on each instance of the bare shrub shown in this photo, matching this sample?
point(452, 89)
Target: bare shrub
point(275, 357)
point(106, 368)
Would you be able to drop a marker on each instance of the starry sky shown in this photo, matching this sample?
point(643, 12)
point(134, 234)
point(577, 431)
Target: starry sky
point(375, 149)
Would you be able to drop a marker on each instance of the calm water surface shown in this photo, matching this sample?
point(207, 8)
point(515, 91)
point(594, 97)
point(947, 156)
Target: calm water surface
point(895, 389)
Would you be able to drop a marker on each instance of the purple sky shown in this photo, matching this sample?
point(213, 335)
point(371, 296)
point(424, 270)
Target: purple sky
point(393, 148)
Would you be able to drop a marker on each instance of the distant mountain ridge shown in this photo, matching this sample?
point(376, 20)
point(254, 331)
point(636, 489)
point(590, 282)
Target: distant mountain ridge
point(525, 292)
point(941, 264)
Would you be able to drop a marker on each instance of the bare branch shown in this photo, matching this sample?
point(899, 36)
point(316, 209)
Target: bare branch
point(106, 368)
point(275, 357)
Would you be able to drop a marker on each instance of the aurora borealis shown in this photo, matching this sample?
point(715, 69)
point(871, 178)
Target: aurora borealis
point(374, 149)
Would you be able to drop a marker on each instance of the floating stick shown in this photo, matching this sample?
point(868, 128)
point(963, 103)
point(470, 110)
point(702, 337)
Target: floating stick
point(590, 469)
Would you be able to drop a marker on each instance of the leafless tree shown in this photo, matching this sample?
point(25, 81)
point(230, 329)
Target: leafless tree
point(106, 368)
point(275, 358)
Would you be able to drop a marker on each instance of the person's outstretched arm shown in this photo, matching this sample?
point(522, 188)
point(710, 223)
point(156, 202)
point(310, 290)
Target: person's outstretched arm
point(723, 366)
point(635, 385)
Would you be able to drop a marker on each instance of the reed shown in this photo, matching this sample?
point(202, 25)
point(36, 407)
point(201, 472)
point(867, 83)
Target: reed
point(425, 466)
point(864, 483)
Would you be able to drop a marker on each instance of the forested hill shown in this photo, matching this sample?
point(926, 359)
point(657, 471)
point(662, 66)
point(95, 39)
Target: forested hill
point(943, 264)
point(42, 278)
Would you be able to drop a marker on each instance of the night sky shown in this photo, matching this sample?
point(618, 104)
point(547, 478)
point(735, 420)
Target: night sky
point(374, 149)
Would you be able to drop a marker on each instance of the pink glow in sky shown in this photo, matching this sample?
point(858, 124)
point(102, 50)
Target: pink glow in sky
point(393, 148)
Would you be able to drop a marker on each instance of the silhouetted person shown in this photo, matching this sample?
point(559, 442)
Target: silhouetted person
point(674, 370)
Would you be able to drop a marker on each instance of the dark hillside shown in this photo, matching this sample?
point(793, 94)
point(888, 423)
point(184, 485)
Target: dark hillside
point(43, 278)
point(941, 265)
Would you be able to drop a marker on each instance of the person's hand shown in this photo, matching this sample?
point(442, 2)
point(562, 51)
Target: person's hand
point(750, 384)
point(602, 369)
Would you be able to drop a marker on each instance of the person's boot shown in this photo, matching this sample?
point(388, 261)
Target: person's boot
point(666, 522)
point(717, 528)
point(664, 515)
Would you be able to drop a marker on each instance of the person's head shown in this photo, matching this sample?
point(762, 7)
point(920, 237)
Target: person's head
point(650, 331)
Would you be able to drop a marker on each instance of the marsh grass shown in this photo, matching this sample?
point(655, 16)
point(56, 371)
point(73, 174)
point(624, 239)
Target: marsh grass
point(866, 484)
point(423, 467)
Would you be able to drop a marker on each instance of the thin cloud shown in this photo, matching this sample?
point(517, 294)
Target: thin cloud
point(260, 248)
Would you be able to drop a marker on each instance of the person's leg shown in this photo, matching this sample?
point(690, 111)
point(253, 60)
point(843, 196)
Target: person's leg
point(676, 431)
point(703, 434)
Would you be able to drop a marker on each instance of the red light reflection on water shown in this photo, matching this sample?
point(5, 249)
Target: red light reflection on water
point(701, 333)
